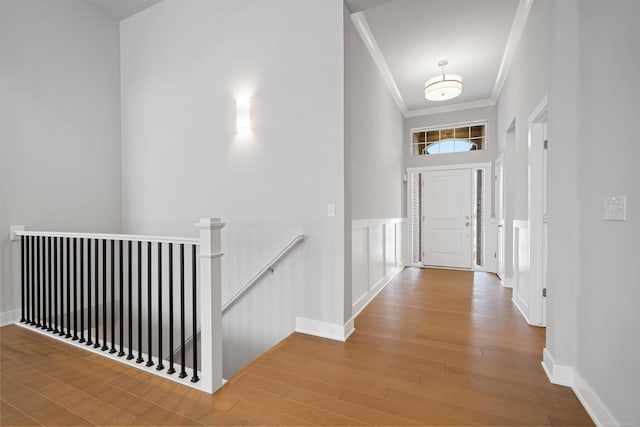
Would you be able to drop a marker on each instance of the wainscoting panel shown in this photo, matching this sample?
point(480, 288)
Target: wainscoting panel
point(377, 256)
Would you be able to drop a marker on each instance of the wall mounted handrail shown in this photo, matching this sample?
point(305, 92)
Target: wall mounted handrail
point(259, 274)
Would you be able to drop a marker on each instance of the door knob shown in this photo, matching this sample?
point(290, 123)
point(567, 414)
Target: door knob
point(467, 224)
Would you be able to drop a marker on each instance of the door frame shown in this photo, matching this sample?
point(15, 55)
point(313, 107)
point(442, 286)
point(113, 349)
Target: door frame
point(500, 160)
point(488, 218)
point(536, 135)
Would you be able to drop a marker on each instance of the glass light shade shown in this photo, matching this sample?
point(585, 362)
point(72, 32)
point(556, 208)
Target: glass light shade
point(439, 89)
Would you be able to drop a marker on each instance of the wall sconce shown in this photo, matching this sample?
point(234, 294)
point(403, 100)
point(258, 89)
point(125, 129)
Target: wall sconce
point(243, 114)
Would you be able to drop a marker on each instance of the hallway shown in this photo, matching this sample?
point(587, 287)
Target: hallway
point(435, 347)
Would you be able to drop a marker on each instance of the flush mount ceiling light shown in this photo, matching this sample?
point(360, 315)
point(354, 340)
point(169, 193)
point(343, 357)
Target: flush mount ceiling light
point(443, 87)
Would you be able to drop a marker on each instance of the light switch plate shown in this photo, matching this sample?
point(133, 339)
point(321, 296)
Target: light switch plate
point(331, 211)
point(615, 208)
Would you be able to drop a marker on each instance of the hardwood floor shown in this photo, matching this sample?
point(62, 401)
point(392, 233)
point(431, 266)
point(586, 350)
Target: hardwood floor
point(435, 347)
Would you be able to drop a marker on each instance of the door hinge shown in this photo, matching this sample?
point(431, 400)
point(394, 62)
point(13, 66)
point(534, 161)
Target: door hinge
point(546, 144)
point(544, 292)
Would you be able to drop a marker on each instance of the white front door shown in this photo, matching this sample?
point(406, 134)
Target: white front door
point(499, 192)
point(447, 218)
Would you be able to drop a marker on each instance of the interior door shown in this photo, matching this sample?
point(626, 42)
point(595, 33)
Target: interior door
point(447, 218)
point(499, 192)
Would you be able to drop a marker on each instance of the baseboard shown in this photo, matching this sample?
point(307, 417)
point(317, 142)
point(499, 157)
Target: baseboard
point(507, 282)
point(9, 317)
point(567, 376)
point(364, 301)
point(322, 329)
point(596, 409)
point(521, 306)
point(558, 374)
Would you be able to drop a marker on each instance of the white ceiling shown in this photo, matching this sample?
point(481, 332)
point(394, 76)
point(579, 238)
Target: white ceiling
point(358, 5)
point(121, 9)
point(414, 35)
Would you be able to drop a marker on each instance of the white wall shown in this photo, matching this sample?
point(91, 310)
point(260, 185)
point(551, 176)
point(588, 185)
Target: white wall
point(525, 86)
point(59, 123)
point(608, 341)
point(592, 314)
point(376, 139)
point(183, 65)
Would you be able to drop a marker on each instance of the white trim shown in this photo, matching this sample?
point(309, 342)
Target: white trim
point(365, 299)
point(362, 26)
point(592, 403)
point(536, 210)
point(568, 376)
point(517, 28)
point(557, 374)
point(507, 282)
point(113, 356)
point(323, 329)
point(487, 166)
point(364, 223)
point(9, 317)
point(107, 236)
point(522, 307)
point(450, 108)
point(421, 169)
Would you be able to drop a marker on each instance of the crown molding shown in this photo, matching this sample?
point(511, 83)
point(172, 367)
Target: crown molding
point(517, 28)
point(450, 108)
point(362, 26)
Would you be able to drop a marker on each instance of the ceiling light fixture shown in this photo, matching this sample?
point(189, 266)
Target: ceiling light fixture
point(443, 87)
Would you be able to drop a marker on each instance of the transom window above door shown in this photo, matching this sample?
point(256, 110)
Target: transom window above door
point(456, 138)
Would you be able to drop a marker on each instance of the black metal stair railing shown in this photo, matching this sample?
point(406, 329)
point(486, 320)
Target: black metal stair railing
point(88, 289)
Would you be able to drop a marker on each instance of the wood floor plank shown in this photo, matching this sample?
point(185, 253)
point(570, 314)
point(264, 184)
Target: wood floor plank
point(435, 347)
point(11, 416)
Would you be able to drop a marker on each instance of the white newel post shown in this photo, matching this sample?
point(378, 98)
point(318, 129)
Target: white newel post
point(211, 302)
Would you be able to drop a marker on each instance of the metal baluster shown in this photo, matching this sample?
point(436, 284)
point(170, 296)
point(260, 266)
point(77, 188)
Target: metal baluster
point(121, 352)
point(27, 300)
point(160, 365)
point(38, 282)
point(55, 285)
point(139, 359)
point(194, 340)
point(82, 291)
point(113, 299)
point(104, 296)
point(96, 285)
point(130, 306)
point(43, 293)
point(171, 370)
point(183, 373)
point(49, 328)
point(61, 283)
point(32, 318)
point(75, 290)
point(33, 281)
point(68, 335)
point(23, 271)
point(149, 320)
point(89, 341)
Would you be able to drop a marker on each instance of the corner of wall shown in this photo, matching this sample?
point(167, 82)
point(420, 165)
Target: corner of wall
point(568, 376)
